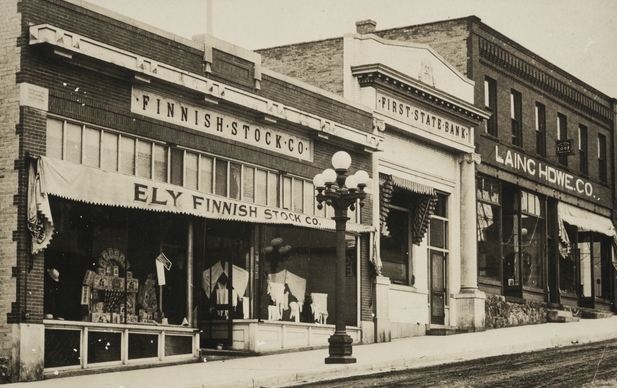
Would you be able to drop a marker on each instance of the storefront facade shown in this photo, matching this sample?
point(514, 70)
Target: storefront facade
point(170, 204)
point(545, 187)
point(422, 249)
point(423, 254)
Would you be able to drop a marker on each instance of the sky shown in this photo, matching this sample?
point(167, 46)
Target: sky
point(579, 36)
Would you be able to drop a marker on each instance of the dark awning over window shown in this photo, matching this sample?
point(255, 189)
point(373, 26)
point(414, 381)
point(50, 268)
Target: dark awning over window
point(422, 205)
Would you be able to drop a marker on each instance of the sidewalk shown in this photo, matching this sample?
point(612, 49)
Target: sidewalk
point(287, 369)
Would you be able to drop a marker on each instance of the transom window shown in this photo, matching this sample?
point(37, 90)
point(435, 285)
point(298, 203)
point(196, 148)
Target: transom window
point(144, 158)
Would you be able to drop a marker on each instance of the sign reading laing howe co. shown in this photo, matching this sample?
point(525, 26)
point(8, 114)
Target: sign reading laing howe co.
point(228, 127)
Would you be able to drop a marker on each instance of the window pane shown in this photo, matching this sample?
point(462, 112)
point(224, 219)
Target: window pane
point(235, 176)
point(54, 139)
point(221, 178)
point(394, 245)
point(190, 177)
point(127, 156)
point(437, 236)
point(248, 184)
point(109, 155)
point(73, 143)
point(177, 166)
point(205, 171)
point(489, 249)
point(287, 193)
point(160, 163)
point(274, 186)
point(92, 144)
point(144, 159)
point(298, 195)
point(261, 179)
point(309, 198)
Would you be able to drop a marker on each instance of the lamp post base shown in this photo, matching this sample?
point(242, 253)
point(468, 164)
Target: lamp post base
point(340, 349)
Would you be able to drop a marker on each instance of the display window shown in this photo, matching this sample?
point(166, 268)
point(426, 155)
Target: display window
point(489, 229)
point(524, 238)
point(298, 269)
point(115, 265)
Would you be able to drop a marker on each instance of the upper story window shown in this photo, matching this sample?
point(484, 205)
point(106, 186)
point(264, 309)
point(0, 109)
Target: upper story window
point(602, 162)
point(490, 102)
point(562, 134)
point(582, 149)
point(516, 115)
point(540, 129)
point(144, 158)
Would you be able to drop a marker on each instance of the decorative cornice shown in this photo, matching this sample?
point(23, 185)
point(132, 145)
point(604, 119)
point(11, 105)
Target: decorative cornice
point(66, 44)
point(547, 83)
point(379, 74)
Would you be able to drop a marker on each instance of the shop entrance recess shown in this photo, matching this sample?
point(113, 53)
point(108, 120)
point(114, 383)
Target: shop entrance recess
point(224, 278)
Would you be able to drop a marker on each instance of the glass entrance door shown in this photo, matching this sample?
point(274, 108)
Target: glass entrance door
point(438, 287)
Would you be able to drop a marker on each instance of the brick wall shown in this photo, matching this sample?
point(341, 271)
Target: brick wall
point(448, 38)
point(317, 63)
point(10, 29)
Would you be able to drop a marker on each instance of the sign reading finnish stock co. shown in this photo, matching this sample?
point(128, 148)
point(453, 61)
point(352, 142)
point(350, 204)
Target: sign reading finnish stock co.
point(228, 127)
point(423, 119)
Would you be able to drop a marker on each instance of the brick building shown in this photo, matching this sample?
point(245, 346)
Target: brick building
point(425, 250)
point(157, 196)
point(545, 186)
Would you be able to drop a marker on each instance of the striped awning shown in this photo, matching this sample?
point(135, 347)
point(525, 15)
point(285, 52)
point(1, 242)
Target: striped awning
point(423, 206)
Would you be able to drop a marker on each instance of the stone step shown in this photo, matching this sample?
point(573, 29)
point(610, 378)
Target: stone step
point(595, 314)
point(561, 316)
point(442, 330)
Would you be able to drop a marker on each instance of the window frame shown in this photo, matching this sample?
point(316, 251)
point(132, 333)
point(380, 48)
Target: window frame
point(516, 117)
point(562, 134)
point(583, 148)
point(602, 161)
point(490, 103)
point(540, 112)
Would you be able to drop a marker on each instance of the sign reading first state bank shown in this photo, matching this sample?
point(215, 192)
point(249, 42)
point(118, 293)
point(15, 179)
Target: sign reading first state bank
point(423, 119)
point(228, 127)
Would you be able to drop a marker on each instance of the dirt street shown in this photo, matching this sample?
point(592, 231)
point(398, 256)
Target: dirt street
point(588, 365)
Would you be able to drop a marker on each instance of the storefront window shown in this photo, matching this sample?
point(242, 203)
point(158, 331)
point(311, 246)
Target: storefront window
point(395, 247)
point(92, 144)
point(54, 139)
point(191, 170)
point(73, 143)
point(248, 185)
point(235, 180)
point(220, 187)
point(261, 187)
point(205, 172)
point(524, 238)
point(226, 287)
point(127, 155)
point(160, 163)
point(299, 268)
point(532, 239)
point(101, 267)
point(489, 224)
point(274, 187)
point(109, 154)
point(567, 260)
point(298, 195)
point(144, 159)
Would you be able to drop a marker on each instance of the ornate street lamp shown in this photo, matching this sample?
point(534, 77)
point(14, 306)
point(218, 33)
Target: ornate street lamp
point(341, 192)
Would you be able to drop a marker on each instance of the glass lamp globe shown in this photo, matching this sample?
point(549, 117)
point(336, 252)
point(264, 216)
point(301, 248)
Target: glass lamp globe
point(329, 176)
point(318, 181)
point(361, 177)
point(341, 160)
point(350, 182)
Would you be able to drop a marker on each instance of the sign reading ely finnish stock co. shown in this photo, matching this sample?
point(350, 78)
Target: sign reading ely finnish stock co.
point(228, 127)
